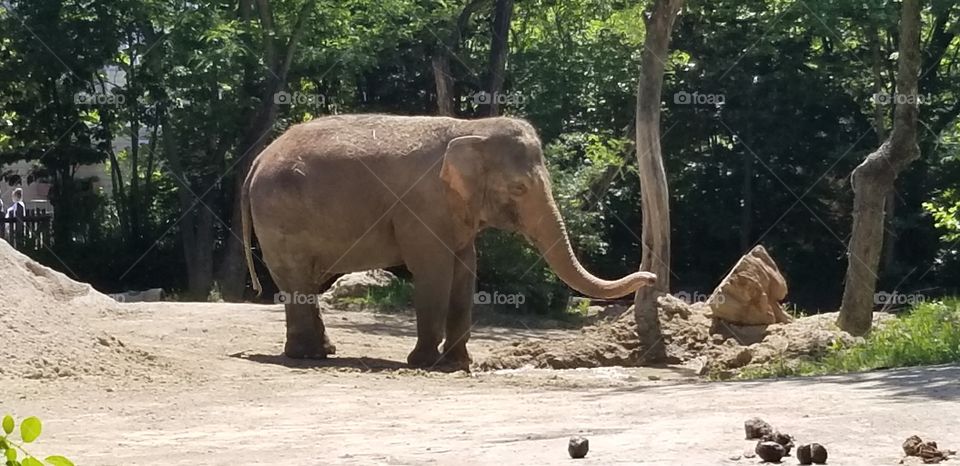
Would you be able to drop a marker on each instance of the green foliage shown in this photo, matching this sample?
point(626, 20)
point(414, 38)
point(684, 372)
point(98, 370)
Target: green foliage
point(580, 309)
point(30, 429)
point(928, 334)
point(770, 165)
point(214, 296)
point(945, 209)
point(396, 296)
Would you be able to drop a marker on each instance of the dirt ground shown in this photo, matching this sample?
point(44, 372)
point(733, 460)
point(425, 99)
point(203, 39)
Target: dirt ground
point(218, 392)
point(199, 383)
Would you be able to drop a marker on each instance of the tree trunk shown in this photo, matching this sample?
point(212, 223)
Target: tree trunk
point(233, 271)
point(444, 83)
point(880, 127)
point(498, 54)
point(873, 180)
point(196, 224)
point(447, 103)
point(197, 230)
point(655, 197)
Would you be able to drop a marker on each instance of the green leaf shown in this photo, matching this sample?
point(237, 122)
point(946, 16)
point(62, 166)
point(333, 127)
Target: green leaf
point(57, 460)
point(11, 454)
point(8, 424)
point(30, 430)
point(31, 461)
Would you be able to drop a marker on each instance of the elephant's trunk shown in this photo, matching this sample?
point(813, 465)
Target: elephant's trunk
point(547, 232)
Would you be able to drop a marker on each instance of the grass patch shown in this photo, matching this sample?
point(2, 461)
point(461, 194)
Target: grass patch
point(928, 334)
point(396, 296)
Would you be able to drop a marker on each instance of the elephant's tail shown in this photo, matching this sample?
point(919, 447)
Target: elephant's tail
point(247, 220)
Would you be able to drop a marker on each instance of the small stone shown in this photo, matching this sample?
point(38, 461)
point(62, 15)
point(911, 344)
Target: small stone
point(818, 453)
point(749, 454)
point(786, 441)
point(742, 358)
point(804, 455)
point(757, 428)
point(578, 447)
point(911, 446)
point(771, 452)
point(734, 458)
point(653, 377)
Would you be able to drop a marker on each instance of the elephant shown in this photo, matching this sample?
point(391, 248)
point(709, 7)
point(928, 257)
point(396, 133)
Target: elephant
point(348, 193)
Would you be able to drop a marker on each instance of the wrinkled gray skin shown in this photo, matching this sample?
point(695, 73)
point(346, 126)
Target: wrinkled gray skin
point(357, 192)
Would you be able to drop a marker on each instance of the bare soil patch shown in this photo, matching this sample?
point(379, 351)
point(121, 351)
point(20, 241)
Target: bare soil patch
point(693, 338)
point(206, 383)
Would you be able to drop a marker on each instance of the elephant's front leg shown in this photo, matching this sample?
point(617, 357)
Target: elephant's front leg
point(432, 271)
point(459, 318)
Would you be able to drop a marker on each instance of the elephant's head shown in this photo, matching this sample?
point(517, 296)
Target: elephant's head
point(496, 175)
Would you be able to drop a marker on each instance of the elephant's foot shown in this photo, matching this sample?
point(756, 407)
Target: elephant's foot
point(424, 357)
point(308, 347)
point(456, 358)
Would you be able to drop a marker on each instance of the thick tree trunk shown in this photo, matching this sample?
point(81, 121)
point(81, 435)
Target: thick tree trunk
point(498, 54)
point(447, 103)
point(873, 180)
point(654, 193)
point(444, 83)
point(880, 126)
point(196, 224)
point(198, 251)
point(233, 271)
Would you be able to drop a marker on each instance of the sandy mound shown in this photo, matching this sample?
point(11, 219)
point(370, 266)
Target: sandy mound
point(44, 329)
point(692, 338)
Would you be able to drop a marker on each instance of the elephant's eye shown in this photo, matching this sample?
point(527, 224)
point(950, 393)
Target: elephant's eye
point(517, 189)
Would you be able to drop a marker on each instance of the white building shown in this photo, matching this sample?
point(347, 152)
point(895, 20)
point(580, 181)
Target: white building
point(35, 195)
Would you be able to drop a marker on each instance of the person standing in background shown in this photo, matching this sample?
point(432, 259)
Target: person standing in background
point(17, 209)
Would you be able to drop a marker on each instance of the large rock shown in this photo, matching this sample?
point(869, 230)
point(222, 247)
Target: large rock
point(145, 296)
point(751, 293)
point(358, 284)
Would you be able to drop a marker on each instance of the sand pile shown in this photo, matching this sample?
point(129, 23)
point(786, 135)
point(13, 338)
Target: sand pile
point(45, 329)
point(691, 335)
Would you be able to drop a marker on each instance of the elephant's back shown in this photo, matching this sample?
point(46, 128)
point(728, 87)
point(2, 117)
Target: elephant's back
point(344, 167)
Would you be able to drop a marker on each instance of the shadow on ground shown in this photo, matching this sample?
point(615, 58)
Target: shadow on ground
point(932, 382)
point(361, 363)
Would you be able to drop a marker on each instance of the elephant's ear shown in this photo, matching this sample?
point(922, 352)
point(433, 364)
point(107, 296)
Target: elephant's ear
point(462, 171)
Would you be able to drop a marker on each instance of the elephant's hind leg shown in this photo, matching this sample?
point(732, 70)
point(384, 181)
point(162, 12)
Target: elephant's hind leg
point(306, 334)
